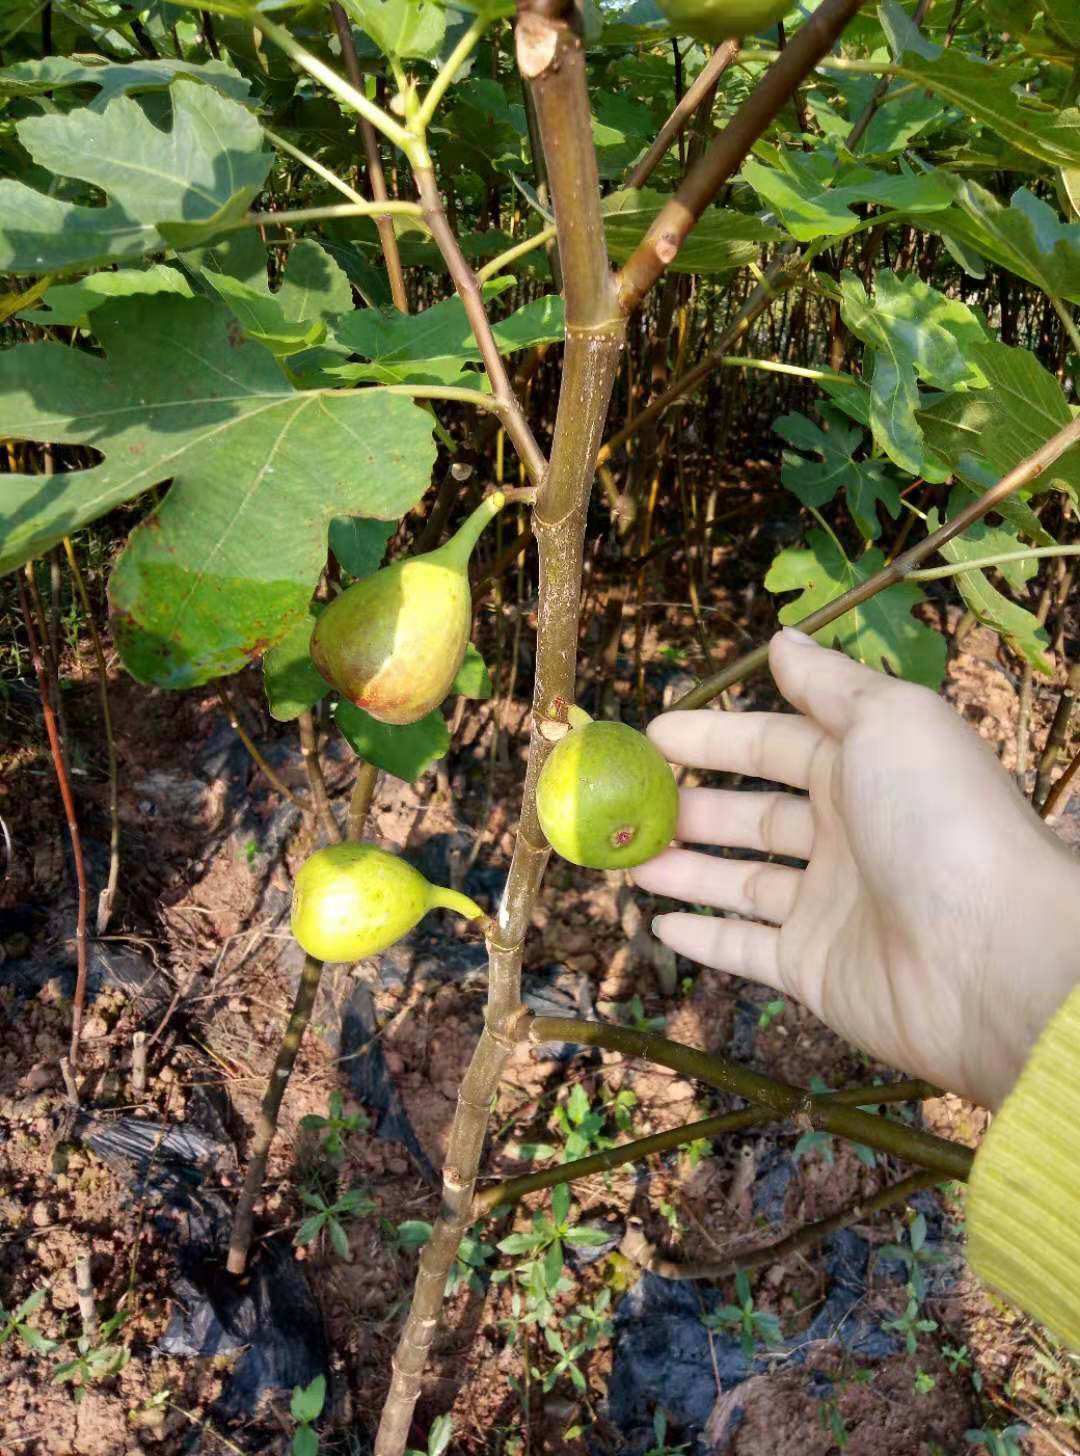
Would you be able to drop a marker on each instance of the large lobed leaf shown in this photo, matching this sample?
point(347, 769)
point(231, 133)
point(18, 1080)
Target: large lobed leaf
point(176, 187)
point(881, 633)
point(981, 436)
point(915, 333)
point(1019, 626)
point(814, 198)
point(993, 92)
point(866, 483)
point(230, 560)
point(113, 78)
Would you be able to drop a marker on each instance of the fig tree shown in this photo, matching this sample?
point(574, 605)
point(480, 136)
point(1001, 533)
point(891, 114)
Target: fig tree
point(606, 797)
point(353, 900)
point(718, 20)
point(393, 642)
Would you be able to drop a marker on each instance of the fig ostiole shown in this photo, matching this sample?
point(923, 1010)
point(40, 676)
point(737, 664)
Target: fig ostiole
point(351, 901)
point(606, 797)
point(719, 20)
point(393, 642)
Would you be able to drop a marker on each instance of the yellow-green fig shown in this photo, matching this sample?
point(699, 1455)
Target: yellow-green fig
point(606, 797)
point(353, 900)
point(392, 643)
point(719, 20)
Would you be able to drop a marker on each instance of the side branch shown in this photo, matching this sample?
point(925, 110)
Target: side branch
point(511, 1189)
point(661, 244)
point(468, 290)
point(679, 119)
point(949, 1160)
point(898, 569)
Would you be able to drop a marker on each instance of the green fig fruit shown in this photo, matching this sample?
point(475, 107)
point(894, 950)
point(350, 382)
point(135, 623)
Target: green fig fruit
point(719, 20)
point(606, 797)
point(393, 642)
point(353, 900)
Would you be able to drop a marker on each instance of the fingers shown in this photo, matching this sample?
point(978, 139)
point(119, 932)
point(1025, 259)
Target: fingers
point(822, 683)
point(766, 891)
point(776, 746)
point(736, 946)
point(772, 823)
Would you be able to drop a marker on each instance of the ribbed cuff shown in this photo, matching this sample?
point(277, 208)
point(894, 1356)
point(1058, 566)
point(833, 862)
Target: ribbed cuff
point(1023, 1212)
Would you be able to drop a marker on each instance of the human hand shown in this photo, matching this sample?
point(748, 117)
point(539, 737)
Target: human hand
point(937, 922)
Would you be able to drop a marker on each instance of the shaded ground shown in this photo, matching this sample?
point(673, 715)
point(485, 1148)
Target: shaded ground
point(201, 939)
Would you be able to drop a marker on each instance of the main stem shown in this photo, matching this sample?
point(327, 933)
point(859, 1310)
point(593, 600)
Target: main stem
point(551, 59)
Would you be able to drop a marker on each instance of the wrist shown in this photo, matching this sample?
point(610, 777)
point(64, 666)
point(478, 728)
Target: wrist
point(1044, 967)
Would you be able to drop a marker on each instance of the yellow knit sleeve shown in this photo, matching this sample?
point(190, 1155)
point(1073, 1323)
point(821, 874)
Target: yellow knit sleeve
point(1024, 1197)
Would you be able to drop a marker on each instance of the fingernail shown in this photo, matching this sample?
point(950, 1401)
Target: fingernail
point(657, 925)
point(794, 635)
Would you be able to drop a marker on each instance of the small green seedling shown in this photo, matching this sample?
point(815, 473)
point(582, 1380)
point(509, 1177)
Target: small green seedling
point(328, 1216)
point(18, 1324)
point(542, 1273)
point(770, 1011)
point(915, 1256)
point(753, 1326)
point(96, 1358)
point(660, 1446)
point(1005, 1442)
point(909, 1324)
point(334, 1125)
point(306, 1407)
point(438, 1441)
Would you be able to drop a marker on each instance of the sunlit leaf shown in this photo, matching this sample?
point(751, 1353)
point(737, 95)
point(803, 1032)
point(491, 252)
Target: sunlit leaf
point(176, 186)
point(866, 483)
point(230, 560)
point(915, 333)
point(1017, 625)
point(881, 632)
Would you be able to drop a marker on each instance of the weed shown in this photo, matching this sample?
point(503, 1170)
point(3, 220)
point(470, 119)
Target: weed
point(753, 1326)
point(329, 1217)
point(442, 1428)
point(1005, 1442)
point(334, 1125)
point(909, 1324)
point(18, 1324)
point(306, 1407)
point(770, 1011)
point(96, 1357)
point(541, 1274)
point(660, 1446)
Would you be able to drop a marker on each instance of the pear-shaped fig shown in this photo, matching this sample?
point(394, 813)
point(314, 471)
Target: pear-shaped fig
point(606, 797)
point(392, 643)
point(354, 900)
point(718, 20)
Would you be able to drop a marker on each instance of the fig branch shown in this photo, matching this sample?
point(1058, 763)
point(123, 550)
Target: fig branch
point(512, 1189)
point(64, 784)
point(947, 1159)
point(680, 118)
point(670, 229)
point(801, 1238)
point(899, 568)
point(551, 60)
point(384, 223)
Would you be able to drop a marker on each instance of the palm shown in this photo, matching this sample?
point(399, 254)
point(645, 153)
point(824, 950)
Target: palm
point(906, 928)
